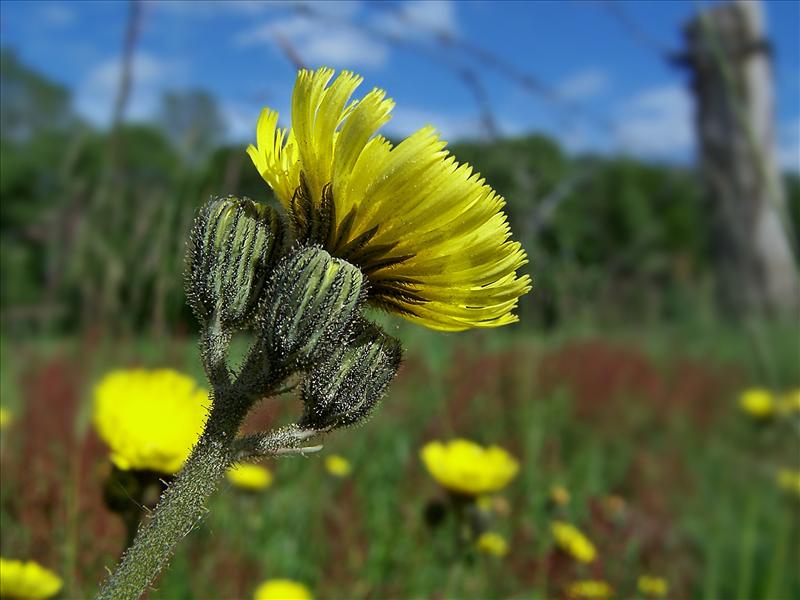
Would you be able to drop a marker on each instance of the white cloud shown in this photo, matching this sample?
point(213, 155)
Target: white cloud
point(319, 43)
point(789, 145)
point(95, 96)
point(657, 123)
point(584, 85)
point(419, 18)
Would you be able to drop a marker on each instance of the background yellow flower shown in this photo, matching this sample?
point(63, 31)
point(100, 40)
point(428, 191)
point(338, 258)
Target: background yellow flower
point(492, 543)
point(249, 477)
point(649, 585)
point(428, 233)
point(27, 580)
point(758, 403)
point(572, 541)
point(282, 589)
point(338, 466)
point(590, 589)
point(149, 419)
point(465, 467)
point(5, 417)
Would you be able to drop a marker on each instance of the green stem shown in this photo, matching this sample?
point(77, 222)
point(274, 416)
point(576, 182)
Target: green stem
point(182, 506)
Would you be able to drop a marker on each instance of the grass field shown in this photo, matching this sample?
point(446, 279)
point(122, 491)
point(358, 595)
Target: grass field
point(641, 426)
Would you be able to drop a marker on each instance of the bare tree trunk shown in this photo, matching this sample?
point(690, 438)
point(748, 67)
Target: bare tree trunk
point(732, 83)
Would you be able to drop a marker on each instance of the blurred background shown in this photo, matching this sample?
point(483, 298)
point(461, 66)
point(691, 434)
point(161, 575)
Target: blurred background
point(649, 154)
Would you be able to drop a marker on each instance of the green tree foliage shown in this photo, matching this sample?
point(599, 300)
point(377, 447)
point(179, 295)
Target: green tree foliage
point(192, 122)
point(31, 103)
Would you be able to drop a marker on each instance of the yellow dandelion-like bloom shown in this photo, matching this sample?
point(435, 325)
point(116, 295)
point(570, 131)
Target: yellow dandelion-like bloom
point(467, 468)
point(789, 481)
point(590, 589)
point(338, 466)
point(655, 587)
point(149, 419)
point(428, 233)
point(492, 543)
point(790, 403)
point(282, 589)
point(559, 495)
point(5, 417)
point(572, 541)
point(758, 403)
point(249, 477)
point(27, 580)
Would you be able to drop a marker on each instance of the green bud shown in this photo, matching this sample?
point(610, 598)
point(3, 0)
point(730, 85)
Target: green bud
point(343, 388)
point(310, 307)
point(231, 249)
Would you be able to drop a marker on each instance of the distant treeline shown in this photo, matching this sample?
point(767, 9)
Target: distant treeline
point(93, 222)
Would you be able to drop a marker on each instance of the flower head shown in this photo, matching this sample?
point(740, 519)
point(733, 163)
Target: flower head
point(5, 417)
point(249, 477)
point(655, 587)
point(572, 541)
point(428, 233)
point(492, 543)
point(282, 589)
point(789, 481)
point(758, 403)
point(559, 495)
point(590, 589)
point(149, 419)
point(790, 403)
point(467, 468)
point(27, 580)
point(338, 466)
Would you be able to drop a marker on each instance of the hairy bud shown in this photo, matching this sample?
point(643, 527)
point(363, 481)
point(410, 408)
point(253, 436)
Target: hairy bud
point(231, 248)
point(310, 307)
point(343, 388)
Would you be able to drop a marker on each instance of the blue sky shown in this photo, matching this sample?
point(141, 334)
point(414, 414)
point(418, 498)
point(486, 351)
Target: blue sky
point(627, 97)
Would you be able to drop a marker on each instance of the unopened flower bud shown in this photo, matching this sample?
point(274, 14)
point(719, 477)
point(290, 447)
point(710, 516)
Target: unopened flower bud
point(343, 388)
point(231, 248)
point(312, 302)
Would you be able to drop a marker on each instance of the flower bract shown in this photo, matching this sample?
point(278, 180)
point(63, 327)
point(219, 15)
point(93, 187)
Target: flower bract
point(149, 419)
point(467, 468)
point(572, 541)
point(249, 477)
point(429, 234)
point(27, 580)
point(282, 589)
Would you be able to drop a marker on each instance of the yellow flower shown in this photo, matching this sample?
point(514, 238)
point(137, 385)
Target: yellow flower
point(492, 543)
point(467, 468)
point(789, 481)
point(149, 419)
point(27, 580)
point(428, 233)
point(338, 466)
point(5, 417)
point(282, 589)
point(590, 589)
point(249, 477)
point(559, 495)
point(657, 587)
point(790, 403)
point(758, 403)
point(570, 539)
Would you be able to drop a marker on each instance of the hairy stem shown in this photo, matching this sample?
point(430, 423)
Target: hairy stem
point(182, 505)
